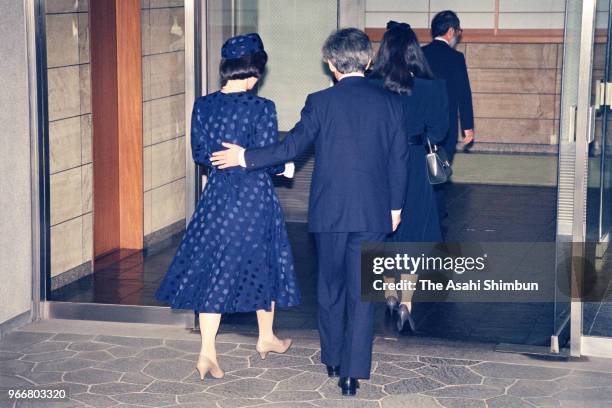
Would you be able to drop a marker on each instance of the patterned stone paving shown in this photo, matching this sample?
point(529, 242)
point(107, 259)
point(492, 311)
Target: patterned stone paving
point(115, 371)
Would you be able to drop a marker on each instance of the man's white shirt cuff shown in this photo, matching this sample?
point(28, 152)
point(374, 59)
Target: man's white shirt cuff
point(289, 170)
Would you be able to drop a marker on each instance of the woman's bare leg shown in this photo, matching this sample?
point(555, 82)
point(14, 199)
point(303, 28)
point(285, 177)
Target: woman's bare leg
point(267, 341)
point(406, 293)
point(265, 321)
point(209, 325)
point(390, 292)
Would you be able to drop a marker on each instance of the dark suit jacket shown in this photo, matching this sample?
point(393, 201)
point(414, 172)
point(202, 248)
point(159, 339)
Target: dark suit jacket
point(449, 64)
point(361, 156)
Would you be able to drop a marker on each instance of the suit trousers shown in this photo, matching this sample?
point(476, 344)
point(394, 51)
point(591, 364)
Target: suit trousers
point(346, 324)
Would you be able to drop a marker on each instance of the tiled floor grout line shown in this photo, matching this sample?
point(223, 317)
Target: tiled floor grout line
point(417, 357)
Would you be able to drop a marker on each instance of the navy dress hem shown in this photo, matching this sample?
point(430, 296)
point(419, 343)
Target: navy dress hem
point(235, 255)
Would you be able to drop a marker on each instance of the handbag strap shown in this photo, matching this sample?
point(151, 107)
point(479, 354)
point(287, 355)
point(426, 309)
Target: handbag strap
point(431, 150)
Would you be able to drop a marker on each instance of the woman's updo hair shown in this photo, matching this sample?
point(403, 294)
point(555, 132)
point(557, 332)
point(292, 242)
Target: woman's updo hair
point(251, 65)
point(400, 59)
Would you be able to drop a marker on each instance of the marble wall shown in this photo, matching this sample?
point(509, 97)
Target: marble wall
point(15, 175)
point(70, 156)
point(163, 76)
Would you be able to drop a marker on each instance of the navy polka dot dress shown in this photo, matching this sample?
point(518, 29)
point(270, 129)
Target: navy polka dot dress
point(235, 255)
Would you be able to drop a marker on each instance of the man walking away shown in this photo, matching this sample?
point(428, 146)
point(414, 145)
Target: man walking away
point(449, 64)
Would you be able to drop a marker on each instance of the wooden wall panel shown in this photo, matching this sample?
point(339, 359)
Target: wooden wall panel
point(129, 102)
point(520, 131)
point(103, 51)
point(511, 56)
point(117, 125)
point(509, 106)
point(531, 81)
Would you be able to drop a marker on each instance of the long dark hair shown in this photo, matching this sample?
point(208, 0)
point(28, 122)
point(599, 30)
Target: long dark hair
point(400, 59)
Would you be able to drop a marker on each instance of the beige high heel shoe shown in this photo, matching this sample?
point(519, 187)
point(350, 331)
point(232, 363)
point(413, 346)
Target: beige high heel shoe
point(269, 347)
point(204, 366)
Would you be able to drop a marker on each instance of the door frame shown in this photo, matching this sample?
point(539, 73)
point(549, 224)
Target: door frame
point(350, 13)
point(41, 241)
point(581, 344)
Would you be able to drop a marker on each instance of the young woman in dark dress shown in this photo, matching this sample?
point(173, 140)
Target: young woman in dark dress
point(401, 67)
point(235, 255)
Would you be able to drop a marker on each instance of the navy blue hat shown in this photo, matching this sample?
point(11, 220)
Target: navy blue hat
point(241, 45)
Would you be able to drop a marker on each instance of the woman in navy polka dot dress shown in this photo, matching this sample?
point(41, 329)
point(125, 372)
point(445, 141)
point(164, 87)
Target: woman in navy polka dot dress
point(235, 255)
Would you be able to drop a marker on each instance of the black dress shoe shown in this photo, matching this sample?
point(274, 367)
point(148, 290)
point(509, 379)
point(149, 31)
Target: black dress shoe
point(333, 371)
point(348, 385)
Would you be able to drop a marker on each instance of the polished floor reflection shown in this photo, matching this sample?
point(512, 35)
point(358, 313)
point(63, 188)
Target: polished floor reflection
point(476, 213)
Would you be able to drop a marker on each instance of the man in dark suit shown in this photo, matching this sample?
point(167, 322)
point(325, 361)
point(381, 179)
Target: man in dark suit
point(357, 192)
point(449, 64)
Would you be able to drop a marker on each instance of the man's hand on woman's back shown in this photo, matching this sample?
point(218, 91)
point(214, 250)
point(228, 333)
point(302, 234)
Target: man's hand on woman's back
point(230, 157)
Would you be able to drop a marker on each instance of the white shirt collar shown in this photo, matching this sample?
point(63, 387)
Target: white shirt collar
point(352, 74)
point(441, 39)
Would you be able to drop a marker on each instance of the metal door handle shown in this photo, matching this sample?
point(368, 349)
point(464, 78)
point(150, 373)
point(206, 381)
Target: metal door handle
point(591, 124)
point(607, 100)
point(600, 94)
point(571, 137)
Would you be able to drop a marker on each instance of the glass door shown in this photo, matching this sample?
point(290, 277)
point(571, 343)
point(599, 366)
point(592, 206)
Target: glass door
point(576, 135)
point(566, 171)
point(596, 333)
point(605, 136)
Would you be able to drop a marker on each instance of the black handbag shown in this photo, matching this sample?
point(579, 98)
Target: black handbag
point(438, 166)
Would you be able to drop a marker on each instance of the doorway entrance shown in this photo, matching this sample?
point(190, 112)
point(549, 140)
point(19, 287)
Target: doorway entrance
point(180, 42)
point(114, 138)
point(121, 182)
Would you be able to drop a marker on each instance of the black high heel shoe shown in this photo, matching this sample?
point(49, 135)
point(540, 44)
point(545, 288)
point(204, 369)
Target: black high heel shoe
point(403, 315)
point(392, 303)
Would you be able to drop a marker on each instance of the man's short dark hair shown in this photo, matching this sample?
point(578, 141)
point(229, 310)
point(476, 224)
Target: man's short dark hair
point(442, 22)
point(252, 65)
point(348, 49)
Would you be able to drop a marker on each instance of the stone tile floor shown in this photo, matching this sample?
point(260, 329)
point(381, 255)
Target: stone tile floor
point(486, 213)
point(102, 369)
